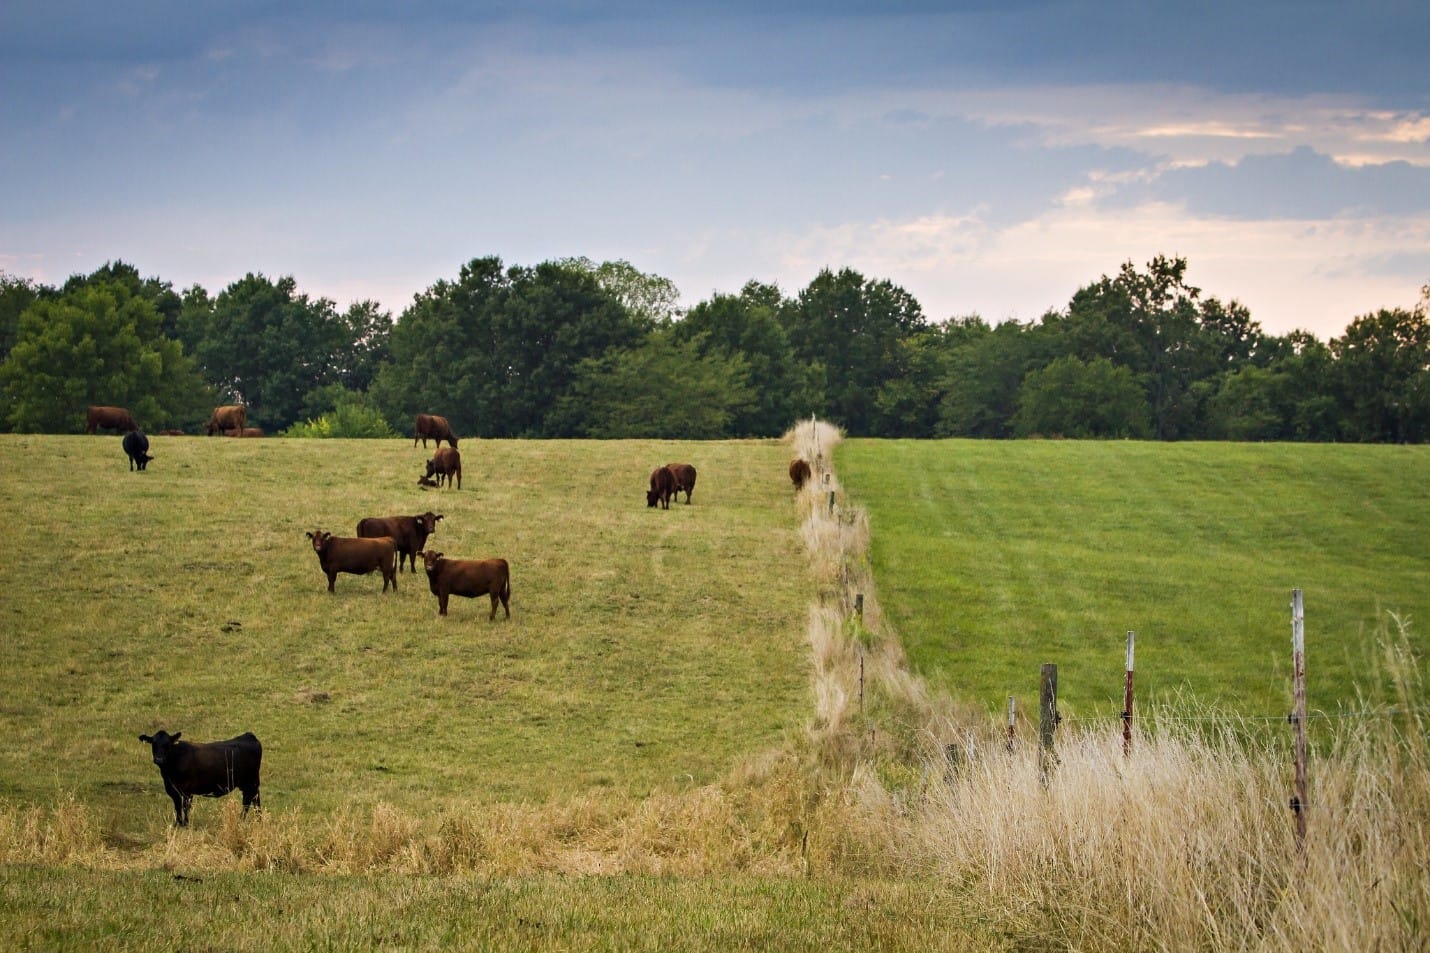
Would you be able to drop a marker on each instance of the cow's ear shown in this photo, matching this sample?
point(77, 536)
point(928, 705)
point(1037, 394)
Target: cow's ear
point(439, 516)
point(175, 736)
point(146, 739)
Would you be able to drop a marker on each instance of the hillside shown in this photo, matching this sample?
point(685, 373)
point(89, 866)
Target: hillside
point(992, 557)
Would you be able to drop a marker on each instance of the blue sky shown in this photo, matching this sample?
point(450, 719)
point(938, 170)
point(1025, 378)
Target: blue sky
point(989, 157)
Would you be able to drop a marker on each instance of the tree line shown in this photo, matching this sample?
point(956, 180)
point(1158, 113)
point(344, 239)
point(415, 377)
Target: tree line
point(573, 348)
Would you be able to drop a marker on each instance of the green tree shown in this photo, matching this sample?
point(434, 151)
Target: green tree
point(97, 343)
point(853, 329)
point(495, 350)
point(1383, 374)
point(264, 344)
point(664, 388)
point(747, 326)
point(1075, 398)
point(985, 368)
point(159, 293)
point(649, 298)
point(16, 295)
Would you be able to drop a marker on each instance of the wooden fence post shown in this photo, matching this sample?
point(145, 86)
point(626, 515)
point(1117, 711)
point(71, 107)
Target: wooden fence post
point(1127, 701)
point(1048, 719)
point(1010, 723)
point(1298, 713)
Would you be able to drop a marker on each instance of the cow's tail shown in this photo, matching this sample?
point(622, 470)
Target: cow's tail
point(506, 587)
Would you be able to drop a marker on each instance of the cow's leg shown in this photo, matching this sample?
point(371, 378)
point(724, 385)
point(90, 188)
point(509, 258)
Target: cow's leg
point(332, 578)
point(495, 597)
point(180, 815)
point(441, 603)
point(250, 798)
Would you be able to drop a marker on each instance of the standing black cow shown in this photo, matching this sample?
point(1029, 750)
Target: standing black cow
point(207, 769)
point(136, 446)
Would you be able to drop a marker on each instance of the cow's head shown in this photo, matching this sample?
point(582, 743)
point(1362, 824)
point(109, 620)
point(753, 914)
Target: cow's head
point(652, 497)
point(320, 539)
point(428, 522)
point(430, 559)
point(160, 745)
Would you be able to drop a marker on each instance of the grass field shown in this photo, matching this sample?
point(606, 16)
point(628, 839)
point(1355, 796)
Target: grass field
point(647, 649)
point(669, 744)
point(993, 557)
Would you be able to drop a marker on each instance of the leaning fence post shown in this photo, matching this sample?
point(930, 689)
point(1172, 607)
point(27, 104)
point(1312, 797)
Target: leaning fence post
point(1127, 701)
point(1298, 713)
point(1048, 719)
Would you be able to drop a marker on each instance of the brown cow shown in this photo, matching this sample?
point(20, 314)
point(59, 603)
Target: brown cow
point(357, 556)
point(470, 578)
point(226, 418)
point(171, 432)
point(445, 464)
point(662, 487)
point(430, 425)
point(684, 475)
point(109, 418)
point(408, 532)
point(245, 432)
point(425, 482)
point(798, 473)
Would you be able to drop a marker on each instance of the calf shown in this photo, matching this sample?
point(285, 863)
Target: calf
point(470, 578)
point(684, 475)
point(108, 418)
point(798, 473)
point(662, 487)
point(357, 556)
point(207, 769)
point(243, 432)
point(408, 532)
point(445, 464)
point(431, 425)
point(136, 447)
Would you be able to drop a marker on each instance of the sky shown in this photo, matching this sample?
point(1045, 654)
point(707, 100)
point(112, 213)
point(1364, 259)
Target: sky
point(990, 157)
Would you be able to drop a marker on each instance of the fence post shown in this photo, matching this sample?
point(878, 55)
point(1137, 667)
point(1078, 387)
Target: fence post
point(1127, 701)
point(1010, 723)
point(1298, 713)
point(1048, 719)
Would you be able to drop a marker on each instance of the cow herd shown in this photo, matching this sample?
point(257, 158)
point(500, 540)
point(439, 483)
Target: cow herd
point(382, 543)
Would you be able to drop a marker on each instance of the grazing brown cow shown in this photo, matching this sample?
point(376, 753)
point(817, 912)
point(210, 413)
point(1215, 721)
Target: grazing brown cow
point(408, 532)
point(684, 475)
point(662, 487)
point(109, 418)
point(356, 556)
point(798, 473)
point(226, 418)
point(470, 578)
point(245, 432)
point(445, 464)
point(208, 769)
point(430, 425)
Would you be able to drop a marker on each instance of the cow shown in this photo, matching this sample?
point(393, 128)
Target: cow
point(357, 556)
point(109, 418)
point(662, 487)
point(425, 482)
point(798, 473)
point(684, 475)
point(171, 432)
point(226, 418)
point(243, 432)
point(470, 578)
point(409, 533)
point(208, 769)
point(136, 447)
point(430, 425)
point(445, 464)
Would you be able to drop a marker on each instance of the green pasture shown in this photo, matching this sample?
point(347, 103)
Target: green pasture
point(647, 649)
point(993, 557)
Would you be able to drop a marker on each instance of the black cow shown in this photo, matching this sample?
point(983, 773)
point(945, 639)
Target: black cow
point(207, 769)
point(136, 446)
point(662, 487)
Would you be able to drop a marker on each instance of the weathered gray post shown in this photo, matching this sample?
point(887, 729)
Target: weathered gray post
point(1048, 719)
point(1010, 723)
point(1298, 713)
point(1127, 701)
